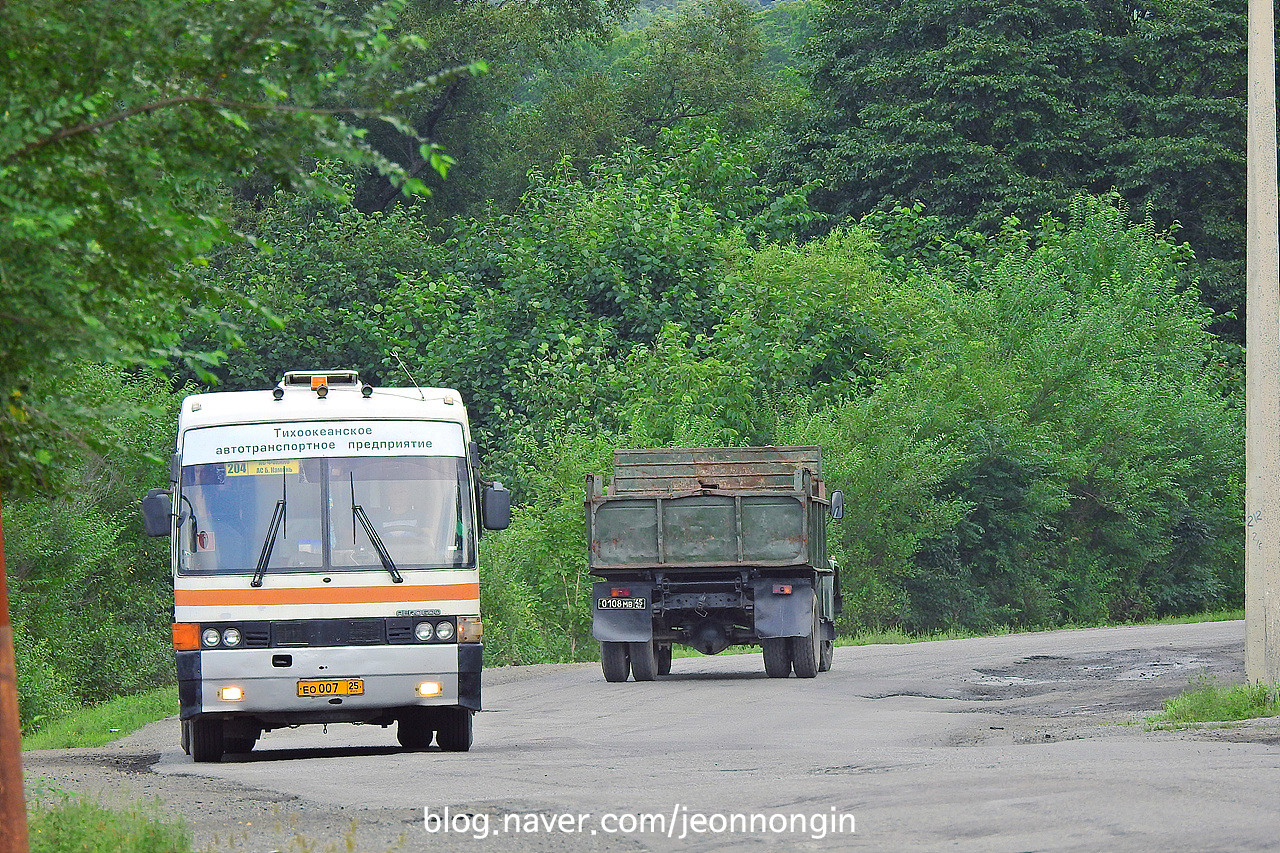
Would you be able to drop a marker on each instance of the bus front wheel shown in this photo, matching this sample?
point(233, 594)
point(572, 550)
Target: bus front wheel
point(455, 729)
point(207, 741)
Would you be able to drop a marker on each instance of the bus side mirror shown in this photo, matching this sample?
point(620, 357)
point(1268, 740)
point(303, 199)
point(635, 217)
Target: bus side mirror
point(837, 505)
point(496, 507)
point(157, 513)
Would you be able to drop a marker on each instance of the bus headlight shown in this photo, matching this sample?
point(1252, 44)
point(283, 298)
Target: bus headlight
point(423, 631)
point(231, 637)
point(444, 631)
point(210, 637)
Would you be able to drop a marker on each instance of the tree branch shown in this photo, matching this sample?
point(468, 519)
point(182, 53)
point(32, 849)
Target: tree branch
point(179, 100)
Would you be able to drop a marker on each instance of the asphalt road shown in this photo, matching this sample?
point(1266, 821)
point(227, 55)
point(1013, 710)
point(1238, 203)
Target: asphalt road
point(1025, 742)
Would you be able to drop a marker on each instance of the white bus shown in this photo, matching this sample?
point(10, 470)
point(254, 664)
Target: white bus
point(324, 561)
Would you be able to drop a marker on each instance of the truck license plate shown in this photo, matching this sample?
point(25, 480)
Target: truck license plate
point(622, 603)
point(332, 687)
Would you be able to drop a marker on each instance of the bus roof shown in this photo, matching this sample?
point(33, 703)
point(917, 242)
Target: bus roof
point(340, 403)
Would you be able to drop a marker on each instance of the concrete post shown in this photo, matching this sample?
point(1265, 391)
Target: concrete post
point(1262, 369)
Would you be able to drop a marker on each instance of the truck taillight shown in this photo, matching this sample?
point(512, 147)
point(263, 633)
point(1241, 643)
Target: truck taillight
point(782, 589)
point(620, 592)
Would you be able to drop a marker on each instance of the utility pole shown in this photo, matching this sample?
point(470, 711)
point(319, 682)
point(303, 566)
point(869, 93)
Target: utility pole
point(13, 802)
point(1262, 365)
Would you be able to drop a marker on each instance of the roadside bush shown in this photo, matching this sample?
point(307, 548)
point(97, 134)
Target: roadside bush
point(90, 595)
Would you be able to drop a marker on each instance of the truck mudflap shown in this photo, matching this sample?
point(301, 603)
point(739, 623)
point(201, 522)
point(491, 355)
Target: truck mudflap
point(783, 607)
point(621, 612)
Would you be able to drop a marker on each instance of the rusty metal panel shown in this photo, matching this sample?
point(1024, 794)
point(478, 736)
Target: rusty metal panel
point(724, 468)
point(773, 530)
point(624, 532)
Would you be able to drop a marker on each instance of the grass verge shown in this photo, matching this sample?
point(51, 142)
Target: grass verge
point(106, 722)
point(1209, 702)
point(60, 821)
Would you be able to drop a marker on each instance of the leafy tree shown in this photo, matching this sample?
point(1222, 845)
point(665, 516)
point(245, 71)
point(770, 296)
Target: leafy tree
point(586, 268)
point(985, 109)
point(517, 40)
point(121, 120)
point(703, 67)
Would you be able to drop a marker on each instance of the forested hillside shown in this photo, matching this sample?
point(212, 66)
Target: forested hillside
point(986, 257)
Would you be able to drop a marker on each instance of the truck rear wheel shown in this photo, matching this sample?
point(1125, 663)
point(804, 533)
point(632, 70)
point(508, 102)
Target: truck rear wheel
point(207, 743)
point(777, 656)
point(828, 654)
point(614, 661)
point(807, 651)
point(644, 660)
point(455, 729)
point(664, 660)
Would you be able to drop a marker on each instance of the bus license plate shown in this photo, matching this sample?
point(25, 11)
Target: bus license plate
point(332, 687)
point(622, 603)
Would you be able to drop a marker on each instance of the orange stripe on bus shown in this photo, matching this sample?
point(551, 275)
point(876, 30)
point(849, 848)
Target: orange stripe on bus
point(327, 595)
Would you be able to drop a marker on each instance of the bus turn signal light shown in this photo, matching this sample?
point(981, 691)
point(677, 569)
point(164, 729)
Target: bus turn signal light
point(186, 636)
point(469, 629)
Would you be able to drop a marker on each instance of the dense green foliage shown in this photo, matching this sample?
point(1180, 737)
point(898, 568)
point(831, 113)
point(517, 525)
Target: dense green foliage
point(1033, 428)
point(986, 109)
point(1013, 380)
point(90, 594)
point(123, 123)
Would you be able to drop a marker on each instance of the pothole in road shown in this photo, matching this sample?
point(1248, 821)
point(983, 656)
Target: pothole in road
point(1127, 665)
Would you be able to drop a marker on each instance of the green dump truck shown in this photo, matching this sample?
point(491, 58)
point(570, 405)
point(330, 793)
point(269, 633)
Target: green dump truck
point(713, 547)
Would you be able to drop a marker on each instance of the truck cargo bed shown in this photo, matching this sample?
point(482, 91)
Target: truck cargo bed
point(709, 507)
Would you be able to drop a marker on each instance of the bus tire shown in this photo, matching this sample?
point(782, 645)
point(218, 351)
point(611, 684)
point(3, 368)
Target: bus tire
point(614, 661)
point(238, 745)
point(207, 742)
point(454, 730)
point(414, 729)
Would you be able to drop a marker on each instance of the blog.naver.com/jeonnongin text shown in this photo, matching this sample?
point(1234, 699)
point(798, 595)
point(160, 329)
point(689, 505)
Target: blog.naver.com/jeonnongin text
point(677, 824)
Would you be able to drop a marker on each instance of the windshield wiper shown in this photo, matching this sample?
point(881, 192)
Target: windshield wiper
point(357, 511)
point(268, 544)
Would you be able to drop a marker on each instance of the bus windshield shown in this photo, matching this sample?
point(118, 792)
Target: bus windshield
point(418, 508)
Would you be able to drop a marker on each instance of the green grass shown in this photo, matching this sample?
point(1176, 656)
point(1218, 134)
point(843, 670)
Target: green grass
point(59, 821)
point(1209, 702)
point(106, 722)
point(1212, 616)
